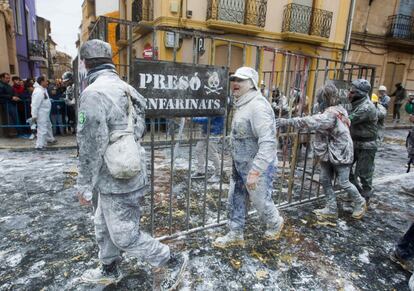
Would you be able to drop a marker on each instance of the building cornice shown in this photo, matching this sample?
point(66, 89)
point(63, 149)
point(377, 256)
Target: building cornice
point(203, 26)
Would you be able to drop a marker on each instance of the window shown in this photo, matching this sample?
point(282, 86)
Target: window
point(18, 16)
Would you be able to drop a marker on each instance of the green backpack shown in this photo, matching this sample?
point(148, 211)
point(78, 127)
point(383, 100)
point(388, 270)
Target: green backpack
point(409, 107)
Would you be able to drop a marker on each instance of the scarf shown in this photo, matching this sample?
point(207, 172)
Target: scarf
point(94, 73)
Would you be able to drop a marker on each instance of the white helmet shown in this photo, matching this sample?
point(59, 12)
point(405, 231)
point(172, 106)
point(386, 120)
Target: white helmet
point(382, 88)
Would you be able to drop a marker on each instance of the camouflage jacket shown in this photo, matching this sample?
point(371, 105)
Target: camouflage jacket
point(364, 129)
point(103, 108)
point(333, 141)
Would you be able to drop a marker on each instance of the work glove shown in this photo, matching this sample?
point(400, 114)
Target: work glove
point(252, 179)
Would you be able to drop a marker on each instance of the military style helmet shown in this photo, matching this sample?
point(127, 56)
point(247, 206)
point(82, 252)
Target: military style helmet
point(95, 49)
point(67, 76)
point(361, 86)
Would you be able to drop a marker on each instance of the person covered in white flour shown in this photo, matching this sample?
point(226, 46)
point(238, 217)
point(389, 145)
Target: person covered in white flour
point(334, 149)
point(111, 123)
point(254, 152)
point(41, 106)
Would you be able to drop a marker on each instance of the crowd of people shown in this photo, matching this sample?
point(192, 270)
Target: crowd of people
point(345, 144)
point(16, 101)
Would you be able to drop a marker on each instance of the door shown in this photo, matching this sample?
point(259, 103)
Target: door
point(394, 73)
point(236, 60)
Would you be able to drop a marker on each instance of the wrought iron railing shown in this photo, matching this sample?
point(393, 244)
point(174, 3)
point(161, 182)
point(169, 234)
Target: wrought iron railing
point(38, 49)
point(307, 20)
point(142, 10)
point(250, 12)
point(401, 26)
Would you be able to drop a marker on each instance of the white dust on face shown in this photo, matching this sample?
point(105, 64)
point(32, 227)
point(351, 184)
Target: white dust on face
point(241, 88)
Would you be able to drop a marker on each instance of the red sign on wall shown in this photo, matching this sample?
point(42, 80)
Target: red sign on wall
point(148, 52)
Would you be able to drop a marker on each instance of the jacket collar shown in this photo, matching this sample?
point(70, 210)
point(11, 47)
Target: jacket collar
point(359, 101)
point(37, 85)
point(94, 73)
point(246, 98)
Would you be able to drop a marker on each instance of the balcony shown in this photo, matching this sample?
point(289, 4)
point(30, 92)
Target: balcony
point(306, 24)
point(38, 50)
point(400, 31)
point(246, 16)
point(142, 10)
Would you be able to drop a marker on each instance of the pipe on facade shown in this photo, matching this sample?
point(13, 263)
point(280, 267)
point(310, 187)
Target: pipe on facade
point(348, 31)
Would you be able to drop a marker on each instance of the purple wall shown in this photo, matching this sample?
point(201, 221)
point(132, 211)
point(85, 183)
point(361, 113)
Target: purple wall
point(27, 68)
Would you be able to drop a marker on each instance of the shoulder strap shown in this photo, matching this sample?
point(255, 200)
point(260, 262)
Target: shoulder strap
point(130, 126)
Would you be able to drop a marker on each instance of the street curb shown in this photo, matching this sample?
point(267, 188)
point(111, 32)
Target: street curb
point(32, 149)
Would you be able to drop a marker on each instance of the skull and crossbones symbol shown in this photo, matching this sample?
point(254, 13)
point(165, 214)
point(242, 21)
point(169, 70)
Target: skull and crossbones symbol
point(213, 84)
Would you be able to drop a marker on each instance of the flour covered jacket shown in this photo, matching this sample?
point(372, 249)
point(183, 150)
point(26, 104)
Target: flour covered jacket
point(333, 140)
point(253, 136)
point(103, 108)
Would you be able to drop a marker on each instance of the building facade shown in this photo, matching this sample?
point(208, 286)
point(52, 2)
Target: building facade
point(316, 28)
point(44, 38)
point(61, 63)
point(383, 35)
point(30, 52)
point(8, 61)
point(56, 62)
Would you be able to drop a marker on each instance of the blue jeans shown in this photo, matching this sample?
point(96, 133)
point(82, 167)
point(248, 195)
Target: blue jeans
point(57, 122)
point(261, 198)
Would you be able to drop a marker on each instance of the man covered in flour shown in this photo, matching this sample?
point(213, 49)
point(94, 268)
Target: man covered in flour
point(109, 107)
point(333, 148)
point(253, 149)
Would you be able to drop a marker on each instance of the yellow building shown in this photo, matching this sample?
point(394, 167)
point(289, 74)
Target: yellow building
point(88, 19)
point(91, 10)
point(8, 60)
point(383, 35)
point(316, 28)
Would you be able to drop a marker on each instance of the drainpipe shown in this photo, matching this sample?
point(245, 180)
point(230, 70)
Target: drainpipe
point(348, 32)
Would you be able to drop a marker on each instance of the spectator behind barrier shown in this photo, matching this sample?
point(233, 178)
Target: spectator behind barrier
point(57, 110)
point(8, 101)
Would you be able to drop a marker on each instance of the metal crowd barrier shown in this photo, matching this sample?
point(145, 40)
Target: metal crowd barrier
point(177, 203)
point(22, 111)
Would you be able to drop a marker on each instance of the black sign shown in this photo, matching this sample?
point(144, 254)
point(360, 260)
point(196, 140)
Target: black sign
point(343, 88)
point(178, 89)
